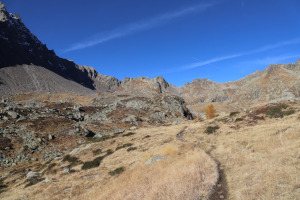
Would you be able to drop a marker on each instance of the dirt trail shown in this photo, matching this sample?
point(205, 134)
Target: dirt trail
point(220, 191)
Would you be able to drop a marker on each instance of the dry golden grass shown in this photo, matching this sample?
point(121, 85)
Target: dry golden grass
point(188, 176)
point(260, 161)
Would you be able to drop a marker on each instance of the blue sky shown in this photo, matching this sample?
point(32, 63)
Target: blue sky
point(222, 40)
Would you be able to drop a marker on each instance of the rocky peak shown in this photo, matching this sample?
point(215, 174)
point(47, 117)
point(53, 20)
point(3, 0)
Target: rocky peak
point(3, 13)
point(201, 82)
point(161, 81)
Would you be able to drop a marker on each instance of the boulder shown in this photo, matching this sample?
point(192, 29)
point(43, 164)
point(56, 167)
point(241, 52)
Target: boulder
point(31, 175)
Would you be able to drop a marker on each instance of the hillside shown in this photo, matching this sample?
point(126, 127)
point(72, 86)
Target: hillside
point(256, 154)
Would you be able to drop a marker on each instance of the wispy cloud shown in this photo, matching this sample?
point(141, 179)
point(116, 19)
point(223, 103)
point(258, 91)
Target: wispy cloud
point(258, 50)
point(138, 27)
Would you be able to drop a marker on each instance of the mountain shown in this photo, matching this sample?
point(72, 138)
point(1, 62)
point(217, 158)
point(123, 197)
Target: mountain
point(27, 65)
point(277, 82)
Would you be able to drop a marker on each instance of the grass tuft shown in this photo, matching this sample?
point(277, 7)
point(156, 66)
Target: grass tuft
point(233, 113)
point(117, 171)
point(211, 129)
point(276, 111)
point(131, 149)
point(74, 161)
point(124, 146)
point(239, 119)
point(34, 182)
point(128, 134)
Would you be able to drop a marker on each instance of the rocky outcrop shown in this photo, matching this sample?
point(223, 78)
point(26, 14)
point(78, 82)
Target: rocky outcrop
point(33, 131)
point(144, 86)
point(102, 83)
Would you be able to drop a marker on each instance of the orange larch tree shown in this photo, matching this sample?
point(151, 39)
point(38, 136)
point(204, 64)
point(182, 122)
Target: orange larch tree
point(210, 111)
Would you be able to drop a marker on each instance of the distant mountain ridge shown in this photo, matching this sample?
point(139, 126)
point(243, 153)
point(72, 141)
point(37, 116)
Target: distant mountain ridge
point(26, 65)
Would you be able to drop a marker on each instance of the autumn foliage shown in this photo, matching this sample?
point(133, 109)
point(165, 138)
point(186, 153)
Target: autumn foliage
point(210, 112)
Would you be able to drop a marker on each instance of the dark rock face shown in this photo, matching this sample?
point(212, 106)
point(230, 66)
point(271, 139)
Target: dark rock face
point(18, 46)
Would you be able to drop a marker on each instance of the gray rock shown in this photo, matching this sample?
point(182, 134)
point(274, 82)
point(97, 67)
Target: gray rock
point(47, 180)
point(133, 128)
point(77, 150)
point(70, 188)
point(92, 176)
point(176, 122)
point(66, 170)
point(155, 159)
point(13, 115)
point(117, 130)
point(31, 175)
point(131, 119)
point(98, 135)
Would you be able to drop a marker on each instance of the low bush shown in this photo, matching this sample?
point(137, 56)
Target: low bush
point(117, 171)
point(239, 119)
point(50, 169)
point(211, 129)
point(96, 162)
point(34, 181)
point(92, 164)
point(289, 112)
point(97, 152)
point(128, 134)
point(124, 146)
point(233, 113)
point(109, 152)
point(74, 161)
point(131, 148)
point(276, 111)
point(2, 186)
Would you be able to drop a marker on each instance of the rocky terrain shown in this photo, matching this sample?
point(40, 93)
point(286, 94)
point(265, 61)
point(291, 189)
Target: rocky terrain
point(38, 130)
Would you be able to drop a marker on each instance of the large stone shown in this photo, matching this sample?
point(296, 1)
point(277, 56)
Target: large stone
point(13, 115)
point(155, 159)
point(31, 175)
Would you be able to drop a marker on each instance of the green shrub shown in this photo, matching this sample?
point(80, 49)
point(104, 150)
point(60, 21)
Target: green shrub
point(2, 186)
point(72, 160)
point(239, 119)
point(233, 113)
point(117, 171)
point(211, 129)
point(49, 169)
point(109, 152)
point(128, 134)
point(124, 146)
point(34, 181)
point(131, 148)
point(276, 111)
point(97, 152)
point(289, 112)
point(147, 136)
point(90, 164)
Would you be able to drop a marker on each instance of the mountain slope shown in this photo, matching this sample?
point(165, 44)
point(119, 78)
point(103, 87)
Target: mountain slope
point(27, 65)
